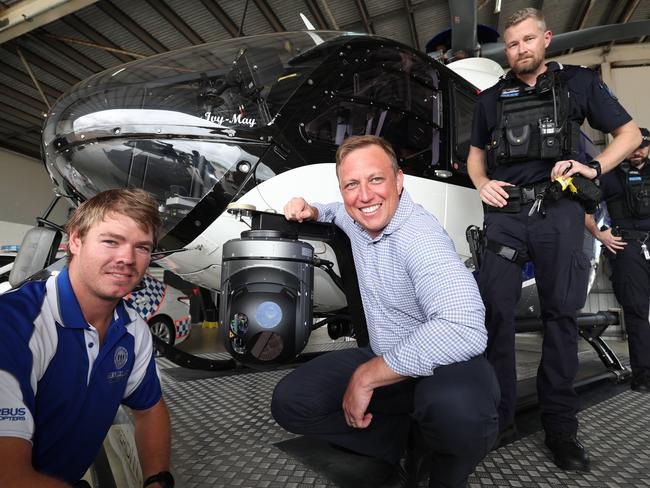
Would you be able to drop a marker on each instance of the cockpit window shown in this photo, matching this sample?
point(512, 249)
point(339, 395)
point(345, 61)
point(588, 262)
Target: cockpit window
point(389, 93)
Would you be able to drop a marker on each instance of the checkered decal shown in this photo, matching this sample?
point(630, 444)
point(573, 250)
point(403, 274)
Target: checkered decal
point(147, 301)
point(182, 327)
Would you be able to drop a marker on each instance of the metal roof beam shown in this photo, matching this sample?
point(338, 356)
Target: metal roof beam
point(365, 18)
point(330, 15)
point(23, 78)
point(222, 17)
point(22, 115)
point(398, 12)
point(47, 66)
point(25, 149)
point(25, 16)
point(96, 37)
point(269, 15)
point(315, 11)
point(62, 48)
point(583, 12)
point(22, 97)
point(133, 27)
point(179, 24)
point(415, 42)
point(627, 14)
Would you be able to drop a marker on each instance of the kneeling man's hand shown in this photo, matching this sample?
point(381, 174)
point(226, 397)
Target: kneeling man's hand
point(298, 209)
point(355, 403)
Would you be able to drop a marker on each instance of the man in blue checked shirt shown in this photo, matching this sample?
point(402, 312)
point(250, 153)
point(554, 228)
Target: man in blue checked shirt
point(425, 320)
point(72, 352)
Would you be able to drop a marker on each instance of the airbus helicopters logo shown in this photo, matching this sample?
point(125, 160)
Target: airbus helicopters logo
point(235, 119)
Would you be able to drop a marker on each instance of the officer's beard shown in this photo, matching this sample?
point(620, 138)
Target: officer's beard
point(528, 69)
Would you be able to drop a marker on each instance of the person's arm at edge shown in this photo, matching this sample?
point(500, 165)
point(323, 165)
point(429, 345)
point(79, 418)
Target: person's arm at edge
point(153, 439)
point(611, 242)
point(16, 469)
point(626, 139)
point(490, 191)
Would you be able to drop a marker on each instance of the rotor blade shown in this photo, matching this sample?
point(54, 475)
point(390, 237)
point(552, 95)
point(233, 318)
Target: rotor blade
point(305, 21)
point(463, 25)
point(578, 39)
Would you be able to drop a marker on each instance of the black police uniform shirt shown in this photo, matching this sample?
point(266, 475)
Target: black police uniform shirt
point(589, 98)
point(611, 185)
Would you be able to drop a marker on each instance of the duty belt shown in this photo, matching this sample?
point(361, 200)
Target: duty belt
point(518, 196)
point(631, 235)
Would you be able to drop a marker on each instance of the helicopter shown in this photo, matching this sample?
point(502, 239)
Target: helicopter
point(251, 122)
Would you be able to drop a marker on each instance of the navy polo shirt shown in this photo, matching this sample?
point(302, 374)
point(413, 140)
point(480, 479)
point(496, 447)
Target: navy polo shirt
point(589, 98)
point(58, 388)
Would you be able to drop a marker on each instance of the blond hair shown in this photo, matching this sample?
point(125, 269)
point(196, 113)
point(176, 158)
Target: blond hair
point(523, 14)
point(132, 202)
point(357, 142)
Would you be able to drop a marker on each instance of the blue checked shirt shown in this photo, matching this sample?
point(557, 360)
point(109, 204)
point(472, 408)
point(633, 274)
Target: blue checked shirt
point(423, 308)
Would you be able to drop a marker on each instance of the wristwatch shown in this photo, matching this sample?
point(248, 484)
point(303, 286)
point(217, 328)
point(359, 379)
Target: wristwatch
point(164, 479)
point(595, 164)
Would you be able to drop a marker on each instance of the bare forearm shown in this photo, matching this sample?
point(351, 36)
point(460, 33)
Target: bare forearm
point(476, 167)
point(16, 469)
point(375, 373)
point(153, 439)
point(626, 139)
point(30, 480)
point(591, 226)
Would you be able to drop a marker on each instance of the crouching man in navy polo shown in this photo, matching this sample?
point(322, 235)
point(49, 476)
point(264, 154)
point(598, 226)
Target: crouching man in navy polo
point(72, 352)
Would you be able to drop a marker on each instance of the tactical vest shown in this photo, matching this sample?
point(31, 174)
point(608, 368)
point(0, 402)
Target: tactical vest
point(533, 122)
point(635, 202)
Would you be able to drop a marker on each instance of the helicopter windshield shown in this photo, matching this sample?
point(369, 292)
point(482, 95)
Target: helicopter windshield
point(179, 123)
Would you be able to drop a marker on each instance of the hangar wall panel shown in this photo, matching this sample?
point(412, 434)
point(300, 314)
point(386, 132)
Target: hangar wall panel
point(631, 87)
point(26, 191)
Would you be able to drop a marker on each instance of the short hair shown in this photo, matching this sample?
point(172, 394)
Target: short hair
point(135, 203)
point(523, 14)
point(357, 142)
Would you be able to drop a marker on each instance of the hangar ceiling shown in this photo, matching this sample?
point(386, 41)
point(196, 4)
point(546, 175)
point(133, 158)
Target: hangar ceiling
point(47, 46)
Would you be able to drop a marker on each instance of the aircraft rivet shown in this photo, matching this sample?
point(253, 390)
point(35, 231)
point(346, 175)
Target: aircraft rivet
point(310, 81)
point(197, 223)
point(314, 107)
point(254, 66)
point(158, 131)
point(116, 131)
point(518, 140)
point(83, 136)
point(309, 141)
point(302, 124)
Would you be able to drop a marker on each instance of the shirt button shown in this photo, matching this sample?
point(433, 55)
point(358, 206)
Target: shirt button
point(90, 344)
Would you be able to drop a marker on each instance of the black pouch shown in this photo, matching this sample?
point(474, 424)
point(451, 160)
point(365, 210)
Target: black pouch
point(518, 140)
point(588, 193)
point(514, 199)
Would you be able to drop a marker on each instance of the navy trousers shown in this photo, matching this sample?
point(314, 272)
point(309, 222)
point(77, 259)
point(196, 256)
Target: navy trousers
point(631, 284)
point(455, 410)
point(554, 244)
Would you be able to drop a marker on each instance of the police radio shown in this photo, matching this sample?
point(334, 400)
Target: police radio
point(549, 138)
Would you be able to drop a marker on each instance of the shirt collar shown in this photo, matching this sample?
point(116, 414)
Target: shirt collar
point(550, 66)
point(70, 311)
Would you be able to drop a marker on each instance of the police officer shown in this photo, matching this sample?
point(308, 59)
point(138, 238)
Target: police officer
point(626, 190)
point(525, 134)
